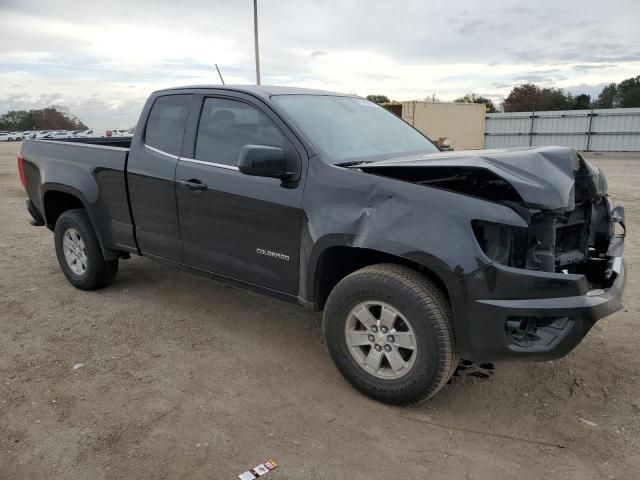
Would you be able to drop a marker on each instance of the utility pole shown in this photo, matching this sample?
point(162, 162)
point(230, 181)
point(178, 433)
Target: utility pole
point(255, 36)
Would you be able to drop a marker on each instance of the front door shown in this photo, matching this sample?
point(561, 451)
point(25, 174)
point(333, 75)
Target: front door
point(238, 226)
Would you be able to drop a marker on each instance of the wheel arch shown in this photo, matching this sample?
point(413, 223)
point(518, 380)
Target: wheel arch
point(336, 262)
point(58, 198)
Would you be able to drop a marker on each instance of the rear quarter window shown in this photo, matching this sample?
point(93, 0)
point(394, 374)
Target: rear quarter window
point(165, 126)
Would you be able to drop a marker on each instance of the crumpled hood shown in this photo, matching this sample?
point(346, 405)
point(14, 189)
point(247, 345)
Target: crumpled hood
point(544, 177)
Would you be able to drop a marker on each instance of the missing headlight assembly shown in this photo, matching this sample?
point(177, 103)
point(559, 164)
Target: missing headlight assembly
point(504, 244)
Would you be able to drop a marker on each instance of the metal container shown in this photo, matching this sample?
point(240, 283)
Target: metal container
point(463, 123)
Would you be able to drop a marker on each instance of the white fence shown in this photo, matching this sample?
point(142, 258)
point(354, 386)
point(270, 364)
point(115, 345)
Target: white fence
point(614, 129)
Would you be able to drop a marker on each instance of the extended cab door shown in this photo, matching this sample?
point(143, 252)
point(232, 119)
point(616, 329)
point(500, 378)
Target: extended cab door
point(151, 175)
point(242, 227)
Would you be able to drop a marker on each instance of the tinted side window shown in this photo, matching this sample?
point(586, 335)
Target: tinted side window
point(165, 125)
point(228, 125)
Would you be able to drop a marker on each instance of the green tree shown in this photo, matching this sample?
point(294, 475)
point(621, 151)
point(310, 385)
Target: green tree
point(378, 99)
point(50, 118)
point(14, 120)
point(624, 94)
point(581, 102)
point(629, 92)
point(473, 98)
point(608, 98)
point(524, 98)
point(557, 99)
point(528, 97)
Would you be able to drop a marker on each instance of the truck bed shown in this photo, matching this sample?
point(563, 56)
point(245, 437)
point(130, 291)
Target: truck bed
point(92, 169)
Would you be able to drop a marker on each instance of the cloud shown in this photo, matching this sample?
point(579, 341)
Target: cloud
point(596, 66)
point(103, 59)
point(95, 110)
point(592, 90)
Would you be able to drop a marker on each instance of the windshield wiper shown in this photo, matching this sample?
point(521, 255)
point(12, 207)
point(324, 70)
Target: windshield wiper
point(353, 164)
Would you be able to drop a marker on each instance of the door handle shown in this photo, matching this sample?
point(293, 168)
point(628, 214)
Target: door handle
point(194, 185)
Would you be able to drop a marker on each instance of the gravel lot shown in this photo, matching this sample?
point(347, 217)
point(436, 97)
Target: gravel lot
point(168, 375)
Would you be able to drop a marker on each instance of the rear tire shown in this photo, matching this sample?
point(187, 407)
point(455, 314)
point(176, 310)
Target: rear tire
point(388, 330)
point(79, 253)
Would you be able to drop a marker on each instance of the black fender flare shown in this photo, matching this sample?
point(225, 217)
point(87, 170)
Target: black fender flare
point(87, 205)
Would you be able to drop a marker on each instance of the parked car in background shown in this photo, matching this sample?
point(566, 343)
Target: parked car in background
point(87, 133)
point(28, 134)
point(118, 132)
point(43, 133)
point(10, 137)
point(60, 134)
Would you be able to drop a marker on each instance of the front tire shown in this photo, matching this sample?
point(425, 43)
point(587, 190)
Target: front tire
point(388, 330)
point(79, 253)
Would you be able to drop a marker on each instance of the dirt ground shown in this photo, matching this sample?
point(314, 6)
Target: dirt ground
point(168, 375)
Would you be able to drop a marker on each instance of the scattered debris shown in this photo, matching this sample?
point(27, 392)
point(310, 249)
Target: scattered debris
point(591, 424)
point(331, 420)
point(77, 365)
point(258, 471)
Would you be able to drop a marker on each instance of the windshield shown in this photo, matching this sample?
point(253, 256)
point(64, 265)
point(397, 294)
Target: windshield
point(348, 128)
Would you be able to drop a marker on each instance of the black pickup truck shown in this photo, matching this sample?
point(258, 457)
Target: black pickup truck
point(416, 256)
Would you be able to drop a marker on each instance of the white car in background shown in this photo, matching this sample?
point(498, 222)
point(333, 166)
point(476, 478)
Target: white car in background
point(116, 132)
point(88, 133)
point(28, 134)
point(57, 135)
point(15, 136)
point(10, 137)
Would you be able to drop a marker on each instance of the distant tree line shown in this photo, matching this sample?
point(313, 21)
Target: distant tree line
point(529, 97)
point(473, 98)
point(624, 94)
point(379, 99)
point(50, 118)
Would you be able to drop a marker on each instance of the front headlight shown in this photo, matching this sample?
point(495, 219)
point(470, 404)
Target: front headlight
point(504, 244)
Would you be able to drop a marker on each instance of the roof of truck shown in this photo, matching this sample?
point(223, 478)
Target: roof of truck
point(258, 90)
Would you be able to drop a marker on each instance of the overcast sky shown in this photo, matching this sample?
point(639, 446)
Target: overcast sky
point(101, 59)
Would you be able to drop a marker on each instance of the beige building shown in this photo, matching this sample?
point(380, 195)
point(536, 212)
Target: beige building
point(462, 123)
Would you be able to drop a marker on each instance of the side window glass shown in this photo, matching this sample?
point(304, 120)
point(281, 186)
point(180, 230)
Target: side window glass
point(165, 125)
point(228, 125)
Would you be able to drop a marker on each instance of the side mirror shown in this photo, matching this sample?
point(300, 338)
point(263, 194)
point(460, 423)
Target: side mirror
point(263, 161)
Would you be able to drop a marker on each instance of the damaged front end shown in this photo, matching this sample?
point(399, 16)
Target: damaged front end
point(572, 226)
